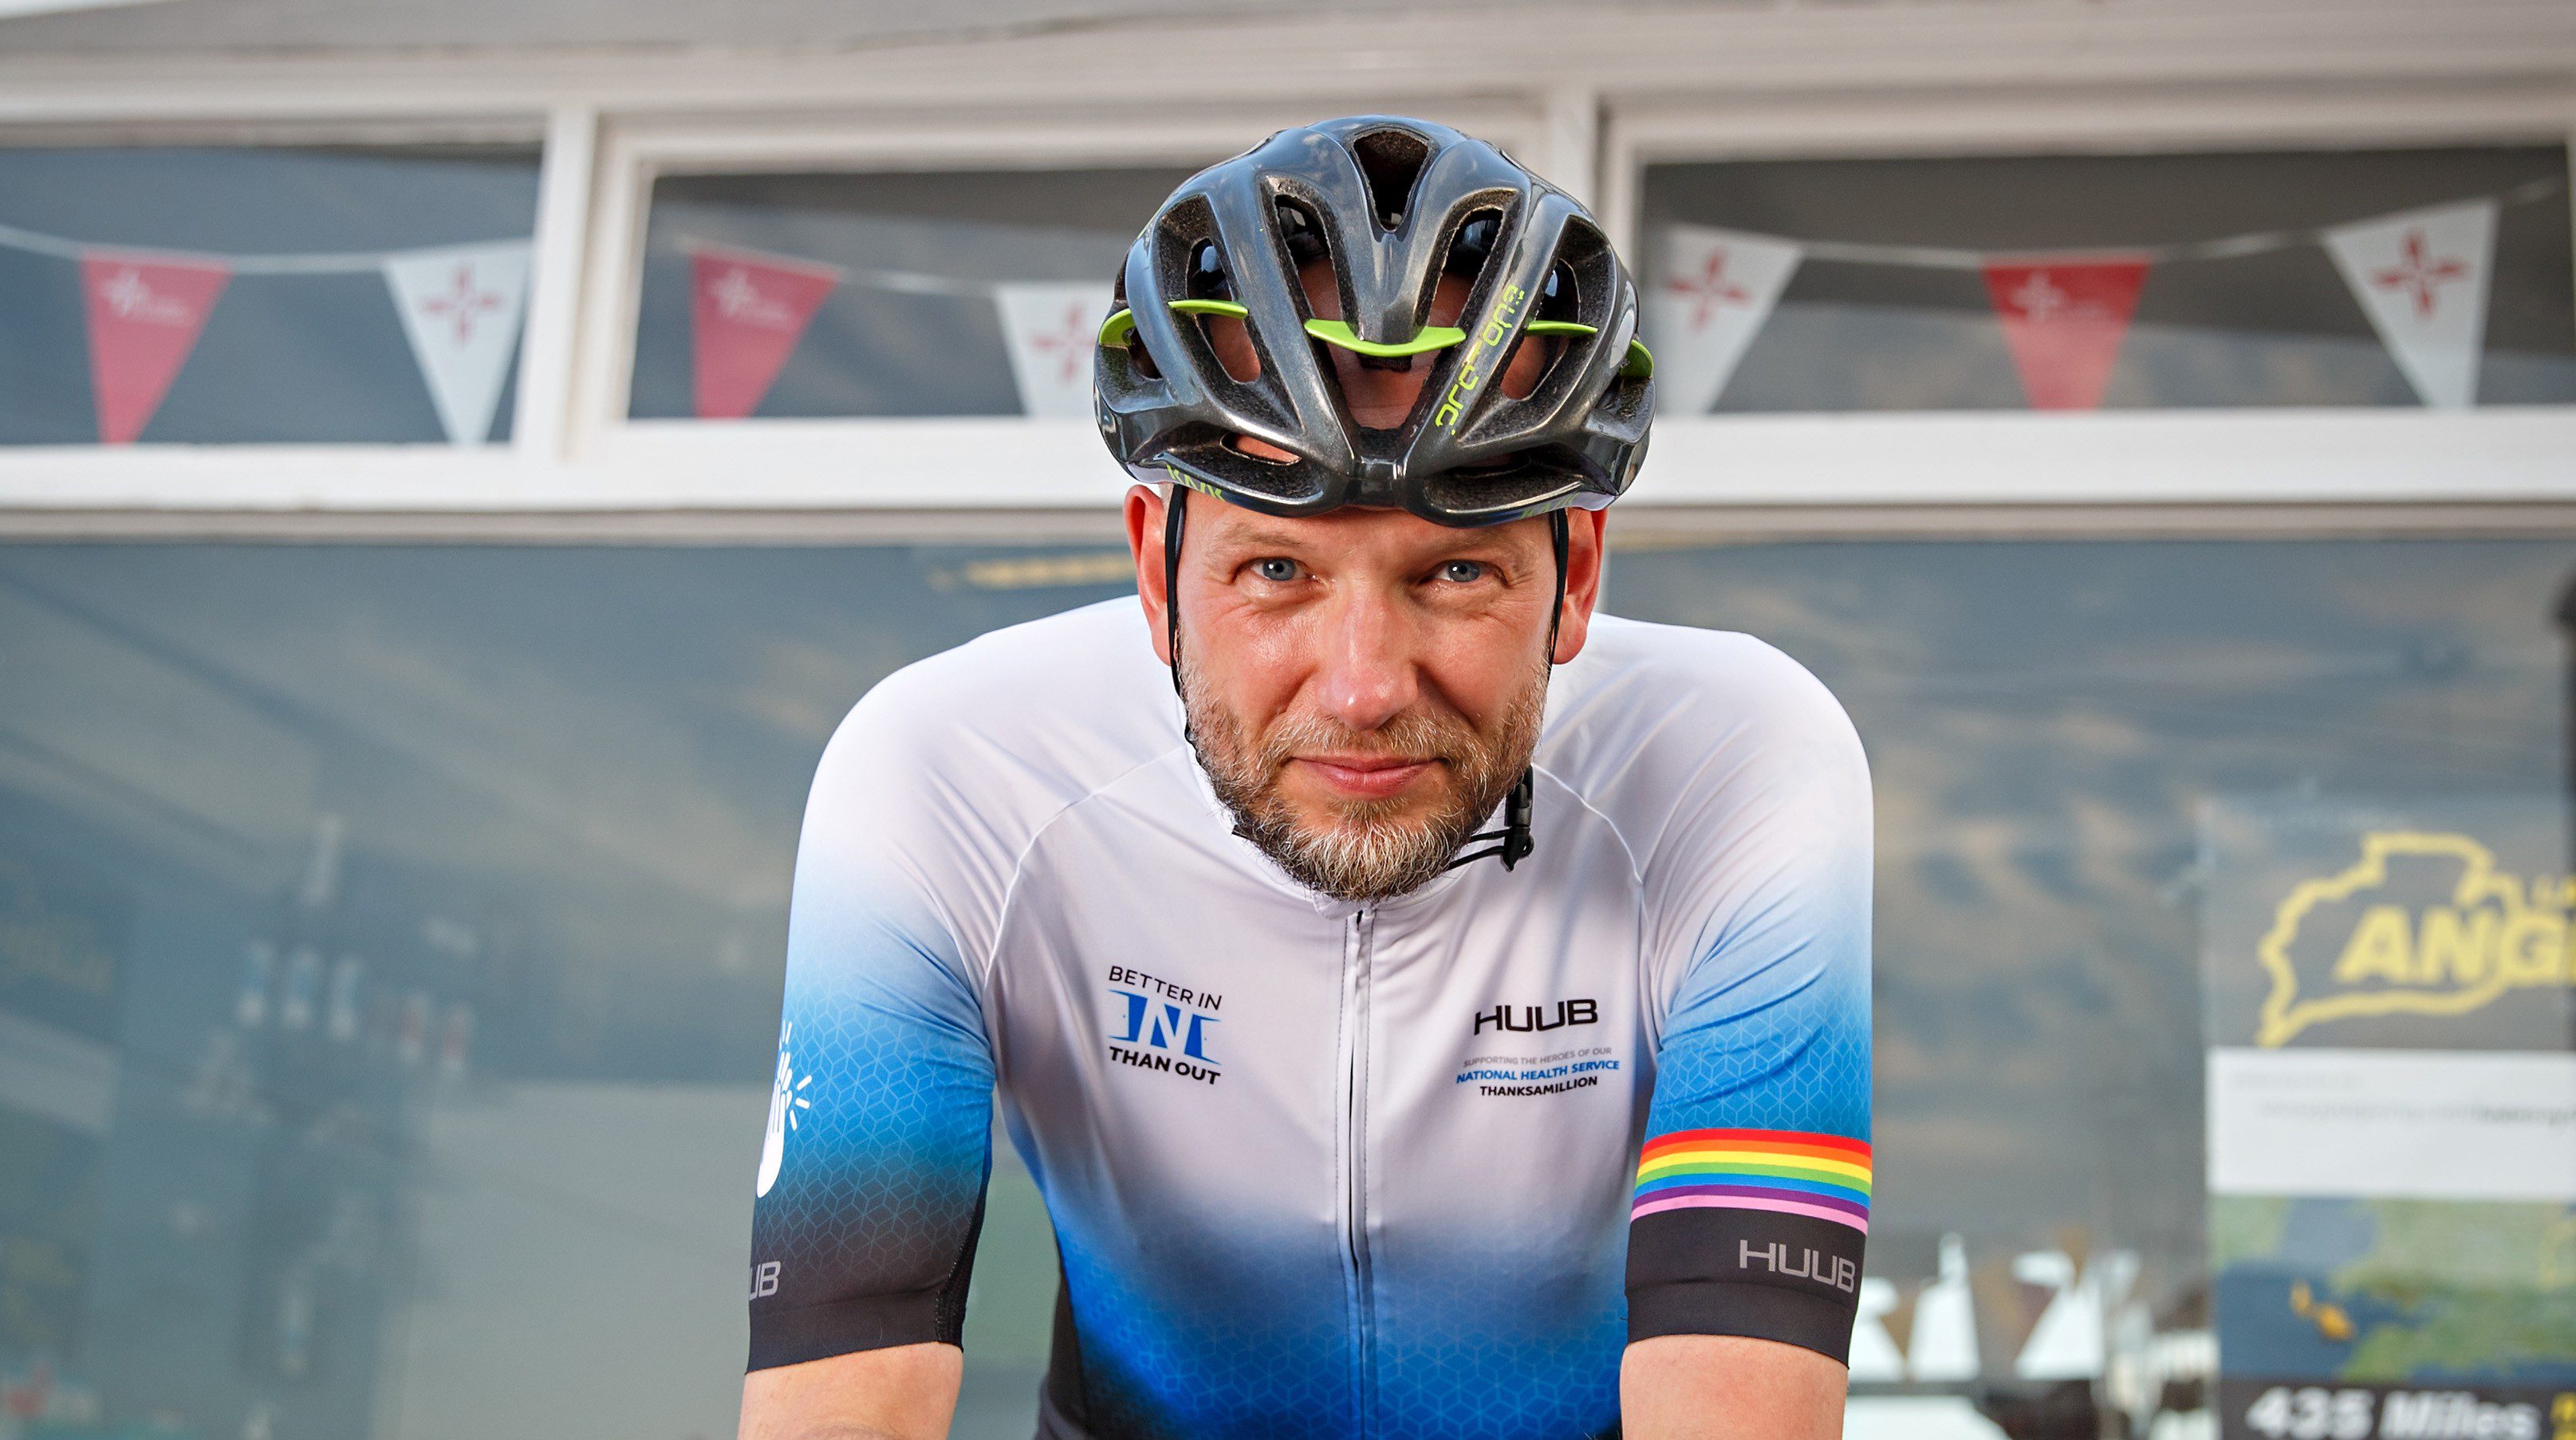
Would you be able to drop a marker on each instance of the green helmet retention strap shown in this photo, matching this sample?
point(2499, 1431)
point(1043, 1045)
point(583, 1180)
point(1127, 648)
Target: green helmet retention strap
point(1426, 339)
point(1116, 329)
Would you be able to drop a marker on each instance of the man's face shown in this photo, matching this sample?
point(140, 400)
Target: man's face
point(1364, 687)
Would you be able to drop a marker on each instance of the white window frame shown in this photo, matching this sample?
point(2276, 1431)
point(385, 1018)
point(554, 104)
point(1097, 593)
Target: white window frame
point(1589, 100)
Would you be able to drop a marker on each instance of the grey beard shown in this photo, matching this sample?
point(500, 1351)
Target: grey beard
point(1368, 852)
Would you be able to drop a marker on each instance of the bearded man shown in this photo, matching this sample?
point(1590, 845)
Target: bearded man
point(1449, 1017)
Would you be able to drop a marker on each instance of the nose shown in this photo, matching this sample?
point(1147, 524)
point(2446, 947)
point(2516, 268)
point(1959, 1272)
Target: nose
point(1369, 672)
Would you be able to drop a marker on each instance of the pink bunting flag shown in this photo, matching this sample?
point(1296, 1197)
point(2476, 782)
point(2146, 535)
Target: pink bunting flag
point(2064, 320)
point(144, 318)
point(748, 310)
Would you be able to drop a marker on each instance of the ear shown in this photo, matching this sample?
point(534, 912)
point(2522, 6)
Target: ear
point(1146, 508)
point(1584, 555)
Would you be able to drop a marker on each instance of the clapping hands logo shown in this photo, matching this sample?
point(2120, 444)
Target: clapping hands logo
point(784, 1102)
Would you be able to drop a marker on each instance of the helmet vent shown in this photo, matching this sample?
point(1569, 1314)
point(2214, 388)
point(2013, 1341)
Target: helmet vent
point(1471, 245)
point(1392, 160)
point(1301, 232)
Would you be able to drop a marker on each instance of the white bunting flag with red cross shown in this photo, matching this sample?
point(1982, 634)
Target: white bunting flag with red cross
point(144, 318)
point(2422, 277)
point(1712, 291)
point(2064, 320)
point(461, 307)
point(1051, 328)
point(747, 310)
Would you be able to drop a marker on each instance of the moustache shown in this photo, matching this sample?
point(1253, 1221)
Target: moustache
point(1413, 737)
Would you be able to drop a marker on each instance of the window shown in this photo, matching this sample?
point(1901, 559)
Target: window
point(2130, 282)
point(390, 940)
point(390, 947)
point(261, 295)
point(2061, 735)
point(967, 293)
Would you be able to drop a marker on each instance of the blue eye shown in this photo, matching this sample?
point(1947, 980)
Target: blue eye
point(1277, 570)
point(1463, 572)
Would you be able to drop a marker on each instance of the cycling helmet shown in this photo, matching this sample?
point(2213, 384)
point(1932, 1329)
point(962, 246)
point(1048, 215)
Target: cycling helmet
point(1391, 205)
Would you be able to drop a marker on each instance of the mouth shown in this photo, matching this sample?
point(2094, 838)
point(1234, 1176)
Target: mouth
point(1363, 777)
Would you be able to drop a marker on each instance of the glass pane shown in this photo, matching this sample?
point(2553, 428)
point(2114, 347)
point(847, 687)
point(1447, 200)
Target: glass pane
point(889, 286)
point(2061, 735)
point(247, 295)
point(390, 948)
point(1886, 306)
point(390, 951)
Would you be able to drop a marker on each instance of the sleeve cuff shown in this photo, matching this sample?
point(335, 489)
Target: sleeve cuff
point(841, 1327)
point(1756, 1312)
point(1762, 1274)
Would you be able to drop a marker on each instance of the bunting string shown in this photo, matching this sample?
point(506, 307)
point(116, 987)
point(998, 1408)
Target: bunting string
point(460, 307)
point(345, 262)
point(2420, 276)
point(2226, 247)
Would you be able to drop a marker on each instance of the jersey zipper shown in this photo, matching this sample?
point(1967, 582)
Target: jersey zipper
point(1354, 1130)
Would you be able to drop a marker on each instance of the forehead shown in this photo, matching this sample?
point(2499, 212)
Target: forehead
point(1355, 531)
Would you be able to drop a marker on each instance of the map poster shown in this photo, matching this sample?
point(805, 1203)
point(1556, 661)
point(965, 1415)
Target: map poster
point(2390, 1007)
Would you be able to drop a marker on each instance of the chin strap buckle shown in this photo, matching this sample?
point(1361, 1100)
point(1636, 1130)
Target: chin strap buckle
point(1515, 844)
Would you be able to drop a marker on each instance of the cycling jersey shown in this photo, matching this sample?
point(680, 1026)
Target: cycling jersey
point(1414, 1167)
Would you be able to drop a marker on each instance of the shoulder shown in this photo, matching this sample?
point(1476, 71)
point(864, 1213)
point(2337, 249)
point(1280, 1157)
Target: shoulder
point(1647, 693)
point(1668, 730)
point(1011, 726)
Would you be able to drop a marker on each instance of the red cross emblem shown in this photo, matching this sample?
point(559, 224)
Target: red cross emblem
point(464, 302)
point(1710, 289)
point(2419, 273)
point(1072, 343)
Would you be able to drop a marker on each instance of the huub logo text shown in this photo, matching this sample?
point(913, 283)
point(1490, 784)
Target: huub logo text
point(764, 1279)
point(1791, 1262)
point(1525, 1018)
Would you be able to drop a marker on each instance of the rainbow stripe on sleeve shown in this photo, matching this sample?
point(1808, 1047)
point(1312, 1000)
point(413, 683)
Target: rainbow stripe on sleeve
point(1792, 1172)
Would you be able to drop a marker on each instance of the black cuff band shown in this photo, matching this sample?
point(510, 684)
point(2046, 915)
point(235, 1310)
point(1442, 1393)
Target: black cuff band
point(1762, 1274)
point(872, 1322)
point(1757, 1312)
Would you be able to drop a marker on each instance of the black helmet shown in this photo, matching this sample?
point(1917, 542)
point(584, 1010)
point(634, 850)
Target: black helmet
point(1391, 205)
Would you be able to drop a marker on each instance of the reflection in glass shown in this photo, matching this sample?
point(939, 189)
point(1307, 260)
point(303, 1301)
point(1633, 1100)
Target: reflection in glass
point(910, 326)
point(2272, 323)
point(282, 357)
point(390, 944)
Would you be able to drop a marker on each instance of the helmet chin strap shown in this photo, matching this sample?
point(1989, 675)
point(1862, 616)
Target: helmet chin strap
point(1176, 515)
point(1513, 842)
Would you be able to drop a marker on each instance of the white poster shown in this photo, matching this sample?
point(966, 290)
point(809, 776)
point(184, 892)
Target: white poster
point(1051, 328)
point(2422, 278)
point(1712, 291)
point(2414, 1124)
point(461, 308)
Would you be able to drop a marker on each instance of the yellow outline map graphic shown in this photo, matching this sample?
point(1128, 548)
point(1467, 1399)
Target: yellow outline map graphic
point(2285, 1015)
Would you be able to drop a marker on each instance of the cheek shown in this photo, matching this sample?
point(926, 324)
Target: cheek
point(1480, 666)
point(1252, 661)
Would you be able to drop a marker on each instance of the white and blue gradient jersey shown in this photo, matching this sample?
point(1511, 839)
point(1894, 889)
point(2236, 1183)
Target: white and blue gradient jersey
point(1419, 1167)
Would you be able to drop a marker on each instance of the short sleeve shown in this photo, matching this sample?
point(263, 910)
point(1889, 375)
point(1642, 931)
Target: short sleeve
point(1753, 1186)
point(874, 1161)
